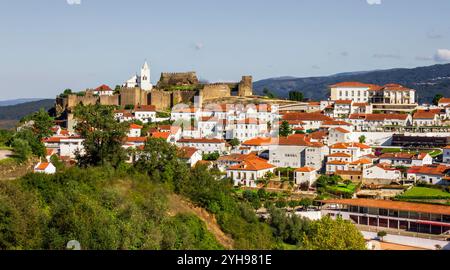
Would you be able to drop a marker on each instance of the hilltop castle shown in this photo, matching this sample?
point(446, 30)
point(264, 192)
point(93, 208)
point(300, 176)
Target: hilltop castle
point(172, 89)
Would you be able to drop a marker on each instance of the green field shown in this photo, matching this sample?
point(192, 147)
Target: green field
point(351, 188)
point(423, 192)
point(433, 153)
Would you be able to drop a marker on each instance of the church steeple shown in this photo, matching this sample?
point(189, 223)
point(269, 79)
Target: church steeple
point(145, 83)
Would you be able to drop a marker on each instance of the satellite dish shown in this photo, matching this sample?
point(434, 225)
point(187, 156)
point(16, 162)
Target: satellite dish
point(73, 245)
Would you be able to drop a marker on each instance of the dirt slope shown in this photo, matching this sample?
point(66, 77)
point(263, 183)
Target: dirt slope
point(179, 205)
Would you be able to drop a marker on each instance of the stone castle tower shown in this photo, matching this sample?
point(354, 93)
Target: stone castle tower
point(246, 86)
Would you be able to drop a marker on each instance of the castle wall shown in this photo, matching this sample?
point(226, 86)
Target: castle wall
point(177, 79)
point(213, 91)
point(109, 100)
point(162, 100)
point(183, 97)
point(74, 100)
point(133, 96)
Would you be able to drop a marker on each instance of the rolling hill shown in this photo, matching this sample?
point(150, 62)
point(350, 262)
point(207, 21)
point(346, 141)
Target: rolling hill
point(12, 102)
point(10, 115)
point(428, 81)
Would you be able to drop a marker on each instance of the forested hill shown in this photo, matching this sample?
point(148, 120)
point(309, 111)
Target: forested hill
point(428, 81)
point(10, 115)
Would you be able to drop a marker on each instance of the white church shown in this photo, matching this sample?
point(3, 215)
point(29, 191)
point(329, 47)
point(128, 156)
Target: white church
point(141, 80)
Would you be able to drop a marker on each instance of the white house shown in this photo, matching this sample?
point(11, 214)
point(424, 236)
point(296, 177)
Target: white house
point(424, 118)
point(305, 175)
point(249, 171)
point(70, 146)
point(103, 90)
point(382, 171)
point(135, 130)
point(297, 151)
point(206, 146)
point(145, 113)
point(338, 135)
point(250, 128)
point(430, 174)
point(45, 167)
point(190, 155)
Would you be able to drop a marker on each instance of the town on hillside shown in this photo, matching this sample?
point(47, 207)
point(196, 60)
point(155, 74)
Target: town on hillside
point(370, 154)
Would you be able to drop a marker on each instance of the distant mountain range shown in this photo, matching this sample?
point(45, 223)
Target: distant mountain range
point(10, 115)
point(12, 102)
point(428, 81)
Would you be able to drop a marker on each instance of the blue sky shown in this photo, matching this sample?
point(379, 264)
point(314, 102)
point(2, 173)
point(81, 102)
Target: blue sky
point(49, 45)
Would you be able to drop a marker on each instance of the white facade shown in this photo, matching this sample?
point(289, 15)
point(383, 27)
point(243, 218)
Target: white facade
point(70, 146)
point(141, 80)
point(305, 175)
point(380, 173)
point(45, 167)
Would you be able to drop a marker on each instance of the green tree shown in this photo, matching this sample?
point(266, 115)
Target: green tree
point(42, 124)
point(268, 93)
point(285, 129)
point(103, 135)
point(211, 157)
point(362, 139)
point(37, 147)
point(436, 99)
point(235, 142)
point(22, 149)
point(329, 234)
point(296, 96)
point(160, 161)
point(382, 234)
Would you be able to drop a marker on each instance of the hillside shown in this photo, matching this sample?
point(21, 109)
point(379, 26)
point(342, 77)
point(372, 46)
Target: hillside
point(428, 81)
point(10, 115)
point(12, 102)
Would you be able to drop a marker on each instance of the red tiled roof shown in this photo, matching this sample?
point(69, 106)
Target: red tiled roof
point(348, 172)
point(344, 102)
point(258, 141)
point(424, 115)
point(430, 169)
point(348, 145)
point(201, 140)
point(395, 87)
point(187, 152)
point(252, 165)
point(134, 126)
point(136, 139)
point(394, 205)
point(351, 85)
point(444, 100)
point(362, 161)
point(42, 166)
point(335, 123)
point(146, 108)
point(340, 155)
point(341, 130)
point(306, 117)
point(396, 156)
point(160, 135)
point(103, 87)
point(305, 169)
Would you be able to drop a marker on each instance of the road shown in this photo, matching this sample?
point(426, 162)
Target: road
point(5, 154)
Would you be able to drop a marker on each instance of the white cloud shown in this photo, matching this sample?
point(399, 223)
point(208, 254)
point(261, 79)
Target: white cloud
point(74, 2)
point(442, 55)
point(374, 2)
